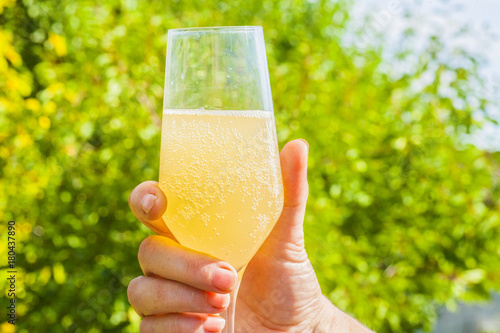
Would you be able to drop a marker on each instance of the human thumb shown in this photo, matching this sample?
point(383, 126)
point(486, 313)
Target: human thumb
point(289, 227)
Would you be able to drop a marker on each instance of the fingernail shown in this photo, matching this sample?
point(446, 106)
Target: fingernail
point(214, 324)
point(307, 144)
point(148, 202)
point(219, 301)
point(224, 279)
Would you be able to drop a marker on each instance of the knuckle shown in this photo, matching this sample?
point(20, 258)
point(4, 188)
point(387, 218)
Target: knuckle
point(146, 247)
point(194, 265)
point(164, 294)
point(206, 270)
point(197, 296)
point(145, 326)
point(133, 290)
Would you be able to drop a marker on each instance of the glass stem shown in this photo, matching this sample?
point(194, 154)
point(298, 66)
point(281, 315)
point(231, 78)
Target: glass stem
point(229, 313)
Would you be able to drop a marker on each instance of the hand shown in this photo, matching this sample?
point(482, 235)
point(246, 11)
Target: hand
point(183, 290)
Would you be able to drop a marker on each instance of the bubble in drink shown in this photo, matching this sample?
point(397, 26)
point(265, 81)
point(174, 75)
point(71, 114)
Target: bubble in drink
point(221, 174)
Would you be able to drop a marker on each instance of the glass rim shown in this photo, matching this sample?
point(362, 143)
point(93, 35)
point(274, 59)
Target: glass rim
point(232, 28)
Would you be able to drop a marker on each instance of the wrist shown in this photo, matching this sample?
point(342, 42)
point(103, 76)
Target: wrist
point(326, 317)
point(332, 320)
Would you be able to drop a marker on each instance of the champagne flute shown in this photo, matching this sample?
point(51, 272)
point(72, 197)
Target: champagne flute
point(219, 165)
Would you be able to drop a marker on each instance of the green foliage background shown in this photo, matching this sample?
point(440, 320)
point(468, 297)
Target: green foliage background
point(402, 217)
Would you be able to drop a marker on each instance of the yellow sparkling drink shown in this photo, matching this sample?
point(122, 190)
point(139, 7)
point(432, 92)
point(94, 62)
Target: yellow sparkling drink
point(221, 174)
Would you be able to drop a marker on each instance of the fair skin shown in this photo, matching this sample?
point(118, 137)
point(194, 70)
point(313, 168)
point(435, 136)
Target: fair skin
point(183, 290)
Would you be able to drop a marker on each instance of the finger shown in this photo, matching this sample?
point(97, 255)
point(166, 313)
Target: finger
point(182, 323)
point(294, 169)
point(153, 296)
point(289, 227)
point(161, 256)
point(148, 203)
